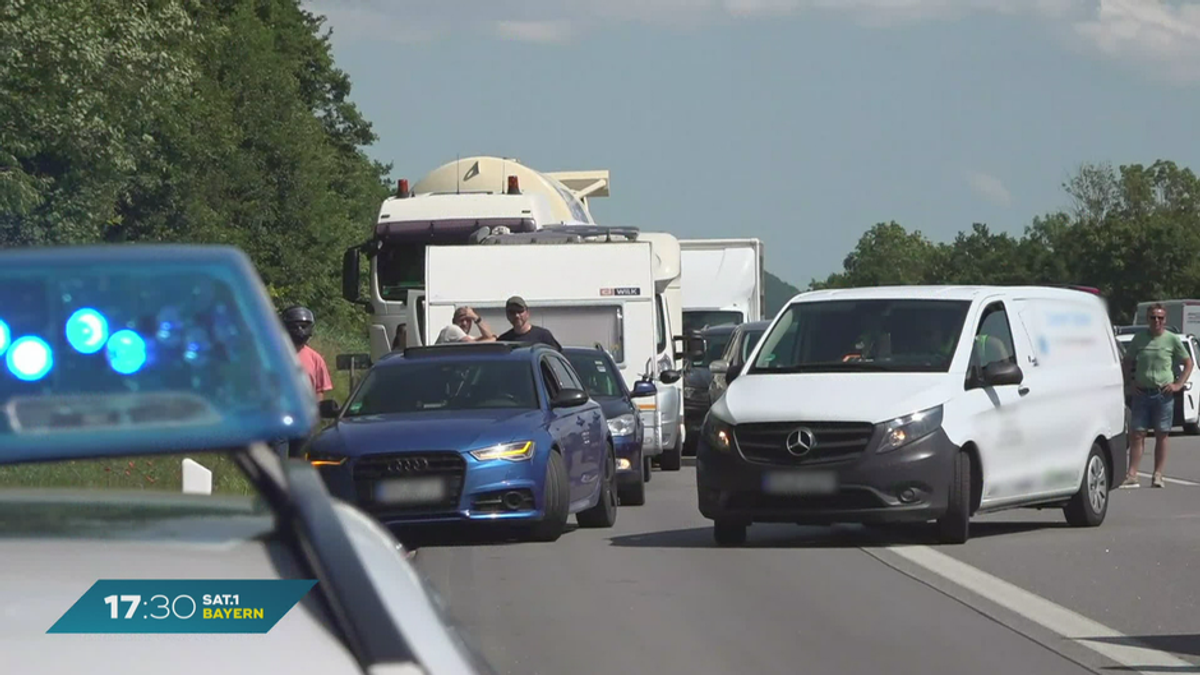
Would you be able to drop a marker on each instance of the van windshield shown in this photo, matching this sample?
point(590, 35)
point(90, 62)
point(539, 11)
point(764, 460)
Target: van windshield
point(863, 335)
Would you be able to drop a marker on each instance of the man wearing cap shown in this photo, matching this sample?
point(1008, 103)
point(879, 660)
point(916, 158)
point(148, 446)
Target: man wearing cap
point(522, 330)
point(459, 329)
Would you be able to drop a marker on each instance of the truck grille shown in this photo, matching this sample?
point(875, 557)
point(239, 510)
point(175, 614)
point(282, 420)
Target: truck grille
point(835, 442)
point(369, 470)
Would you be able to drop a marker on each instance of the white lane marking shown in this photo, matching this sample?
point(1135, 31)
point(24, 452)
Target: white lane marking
point(1054, 617)
point(1177, 481)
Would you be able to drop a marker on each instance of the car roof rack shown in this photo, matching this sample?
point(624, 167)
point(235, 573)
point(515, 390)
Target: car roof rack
point(298, 496)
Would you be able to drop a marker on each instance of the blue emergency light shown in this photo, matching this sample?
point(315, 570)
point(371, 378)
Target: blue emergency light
point(133, 349)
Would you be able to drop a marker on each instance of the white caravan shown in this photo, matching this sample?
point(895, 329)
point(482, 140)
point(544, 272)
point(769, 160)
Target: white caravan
point(722, 282)
point(1182, 314)
point(915, 403)
point(451, 206)
point(584, 292)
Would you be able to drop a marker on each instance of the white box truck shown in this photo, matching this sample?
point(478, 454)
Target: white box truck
point(584, 292)
point(722, 282)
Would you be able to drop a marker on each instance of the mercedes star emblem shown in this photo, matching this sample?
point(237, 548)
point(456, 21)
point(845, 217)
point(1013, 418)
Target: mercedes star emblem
point(801, 441)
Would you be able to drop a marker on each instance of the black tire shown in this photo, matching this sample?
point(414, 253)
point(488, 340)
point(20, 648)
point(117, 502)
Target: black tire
point(955, 526)
point(634, 493)
point(1089, 506)
point(604, 513)
point(647, 468)
point(672, 459)
point(554, 522)
point(729, 532)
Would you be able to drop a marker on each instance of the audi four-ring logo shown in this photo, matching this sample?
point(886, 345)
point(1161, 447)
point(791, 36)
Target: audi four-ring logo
point(801, 441)
point(409, 464)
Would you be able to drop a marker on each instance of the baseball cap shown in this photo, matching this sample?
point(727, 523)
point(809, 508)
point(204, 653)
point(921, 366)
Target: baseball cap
point(517, 302)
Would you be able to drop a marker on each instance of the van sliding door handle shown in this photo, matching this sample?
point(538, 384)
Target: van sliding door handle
point(1023, 390)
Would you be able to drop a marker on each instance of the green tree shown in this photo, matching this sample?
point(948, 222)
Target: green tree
point(887, 254)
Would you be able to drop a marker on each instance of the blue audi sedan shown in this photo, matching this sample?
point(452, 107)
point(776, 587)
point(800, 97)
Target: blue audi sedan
point(496, 432)
point(605, 384)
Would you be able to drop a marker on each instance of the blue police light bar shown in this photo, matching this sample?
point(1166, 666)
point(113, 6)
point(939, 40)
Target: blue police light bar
point(142, 349)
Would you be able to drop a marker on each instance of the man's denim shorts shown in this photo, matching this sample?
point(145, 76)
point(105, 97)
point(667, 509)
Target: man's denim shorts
point(1152, 410)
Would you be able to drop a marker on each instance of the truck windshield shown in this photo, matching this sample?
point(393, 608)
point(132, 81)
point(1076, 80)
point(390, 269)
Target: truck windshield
point(701, 319)
point(401, 268)
point(863, 335)
point(422, 386)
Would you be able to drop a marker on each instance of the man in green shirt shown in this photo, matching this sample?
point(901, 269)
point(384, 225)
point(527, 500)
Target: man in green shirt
point(1151, 357)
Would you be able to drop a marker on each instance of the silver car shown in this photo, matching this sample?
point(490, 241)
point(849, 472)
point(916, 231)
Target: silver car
point(165, 350)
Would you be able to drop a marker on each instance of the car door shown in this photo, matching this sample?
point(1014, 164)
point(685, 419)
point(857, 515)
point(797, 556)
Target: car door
point(562, 421)
point(590, 418)
point(995, 412)
point(571, 430)
point(718, 384)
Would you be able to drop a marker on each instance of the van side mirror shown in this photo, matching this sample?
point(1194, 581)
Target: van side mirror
point(1001, 373)
point(643, 389)
point(350, 275)
point(669, 376)
point(330, 409)
point(569, 398)
point(732, 373)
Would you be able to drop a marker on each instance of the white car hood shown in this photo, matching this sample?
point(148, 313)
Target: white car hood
point(832, 397)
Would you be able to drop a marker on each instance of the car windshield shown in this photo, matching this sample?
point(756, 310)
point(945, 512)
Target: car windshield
point(595, 373)
point(863, 335)
point(749, 341)
point(713, 349)
point(445, 385)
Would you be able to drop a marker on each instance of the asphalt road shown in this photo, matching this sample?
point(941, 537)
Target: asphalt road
point(655, 595)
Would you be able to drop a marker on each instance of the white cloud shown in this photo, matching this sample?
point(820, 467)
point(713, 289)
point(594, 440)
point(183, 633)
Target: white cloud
point(989, 187)
point(1160, 35)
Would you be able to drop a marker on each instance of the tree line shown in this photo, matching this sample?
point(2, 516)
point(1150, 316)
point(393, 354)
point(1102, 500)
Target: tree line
point(216, 121)
point(1133, 232)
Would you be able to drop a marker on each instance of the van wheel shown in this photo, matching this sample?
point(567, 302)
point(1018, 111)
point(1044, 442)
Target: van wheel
point(729, 532)
point(556, 499)
point(1089, 506)
point(955, 526)
point(672, 459)
point(604, 513)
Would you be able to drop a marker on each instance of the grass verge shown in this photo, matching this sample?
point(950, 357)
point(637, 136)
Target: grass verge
point(165, 472)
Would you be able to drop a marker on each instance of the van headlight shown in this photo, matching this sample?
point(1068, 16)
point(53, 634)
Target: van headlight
point(717, 433)
point(513, 452)
point(622, 425)
point(904, 430)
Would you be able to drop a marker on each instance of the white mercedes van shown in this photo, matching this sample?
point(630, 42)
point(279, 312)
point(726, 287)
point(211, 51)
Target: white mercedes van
point(911, 404)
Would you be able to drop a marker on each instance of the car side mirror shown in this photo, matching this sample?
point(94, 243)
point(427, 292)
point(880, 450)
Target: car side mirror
point(718, 367)
point(1001, 373)
point(643, 389)
point(669, 376)
point(330, 409)
point(569, 398)
point(732, 372)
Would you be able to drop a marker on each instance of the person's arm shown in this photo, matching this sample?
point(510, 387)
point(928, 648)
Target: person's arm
point(324, 380)
point(485, 333)
point(1180, 352)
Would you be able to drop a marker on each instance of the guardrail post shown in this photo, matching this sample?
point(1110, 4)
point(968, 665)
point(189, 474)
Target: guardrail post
point(196, 478)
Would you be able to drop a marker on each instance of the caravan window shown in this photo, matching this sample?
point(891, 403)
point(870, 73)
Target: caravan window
point(573, 326)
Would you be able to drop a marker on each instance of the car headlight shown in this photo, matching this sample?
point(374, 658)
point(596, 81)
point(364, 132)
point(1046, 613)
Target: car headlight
point(622, 425)
point(904, 430)
point(324, 458)
point(512, 452)
point(718, 433)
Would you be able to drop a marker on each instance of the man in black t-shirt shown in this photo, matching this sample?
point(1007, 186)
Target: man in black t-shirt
point(523, 331)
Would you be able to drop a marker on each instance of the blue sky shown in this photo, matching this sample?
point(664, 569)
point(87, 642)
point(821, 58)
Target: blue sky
point(802, 122)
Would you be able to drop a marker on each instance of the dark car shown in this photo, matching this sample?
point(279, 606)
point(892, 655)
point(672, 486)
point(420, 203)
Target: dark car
point(491, 432)
point(744, 338)
point(697, 377)
point(604, 383)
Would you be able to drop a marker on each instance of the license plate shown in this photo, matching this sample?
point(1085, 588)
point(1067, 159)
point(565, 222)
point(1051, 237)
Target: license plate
point(411, 491)
point(800, 482)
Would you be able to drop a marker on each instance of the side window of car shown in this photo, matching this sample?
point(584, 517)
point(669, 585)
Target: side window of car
point(549, 379)
point(564, 373)
point(731, 349)
point(994, 340)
